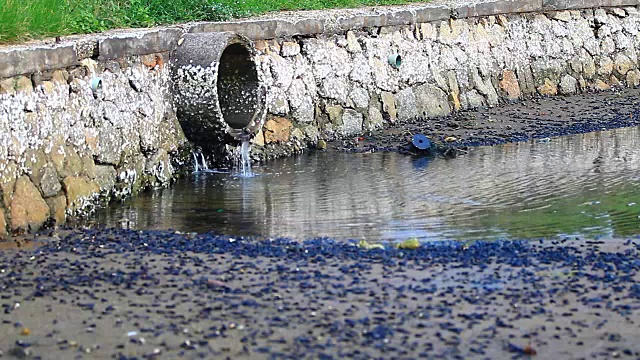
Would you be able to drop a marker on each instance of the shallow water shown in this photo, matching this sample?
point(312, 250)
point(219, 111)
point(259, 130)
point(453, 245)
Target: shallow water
point(584, 185)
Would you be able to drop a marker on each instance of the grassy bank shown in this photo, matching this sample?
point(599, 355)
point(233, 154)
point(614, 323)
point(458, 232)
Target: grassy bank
point(23, 20)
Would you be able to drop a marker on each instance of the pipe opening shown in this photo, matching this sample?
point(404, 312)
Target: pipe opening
point(238, 88)
point(219, 98)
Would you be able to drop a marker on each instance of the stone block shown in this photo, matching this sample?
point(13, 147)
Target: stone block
point(79, 190)
point(351, 122)
point(58, 209)
point(496, 7)
point(306, 27)
point(509, 84)
point(60, 77)
point(374, 119)
point(431, 101)
point(564, 16)
point(474, 100)
point(24, 85)
point(605, 66)
point(289, 48)
point(49, 183)
point(4, 233)
point(88, 166)
point(525, 80)
point(297, 134)
point(359, 97)
point(406, 103)
point(261, 45)
point(622, 64)
point(28, 209)
point(35, 160)
point(430, 13)
point(633, 78)
point(601, 85)
point(335, 114)
point(353, 46)
point(389, 105)
point(305, 111)
point(568, 85)
point(140, 42)
point(6, 190)
point(72, 162)
point(549, 88)
point(58, 154)
point(311, 133)
point(110, 144)
point(8, 86)
point(17, 61)
point(335, 88)
point(277, 102)
point(105, 177)
point(548, 5)
point(277, 129)
point(252, 29)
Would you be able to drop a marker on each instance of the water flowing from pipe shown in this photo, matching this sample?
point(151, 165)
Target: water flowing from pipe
point(205, 166)
point(196, 167)
point(243, 161)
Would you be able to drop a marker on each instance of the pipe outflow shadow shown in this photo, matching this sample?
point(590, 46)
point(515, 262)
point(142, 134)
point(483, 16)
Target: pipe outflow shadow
point(217, 92)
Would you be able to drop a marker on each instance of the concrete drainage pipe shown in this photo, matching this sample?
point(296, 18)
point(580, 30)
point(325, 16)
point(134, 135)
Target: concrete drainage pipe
point(217, 92)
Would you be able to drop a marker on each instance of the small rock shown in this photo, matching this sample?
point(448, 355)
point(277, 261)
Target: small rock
point(364, 244)
point(410, 244)
point(21, 353)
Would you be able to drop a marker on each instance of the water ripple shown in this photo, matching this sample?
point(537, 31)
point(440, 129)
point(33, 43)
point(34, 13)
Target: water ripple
point(580, 184)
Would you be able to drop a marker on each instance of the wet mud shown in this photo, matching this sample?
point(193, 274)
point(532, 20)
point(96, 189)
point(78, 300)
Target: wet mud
point(104, 294)
point(538, 118)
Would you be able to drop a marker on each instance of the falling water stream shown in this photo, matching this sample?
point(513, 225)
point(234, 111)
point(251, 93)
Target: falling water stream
point(244, 162)
point(584, 185)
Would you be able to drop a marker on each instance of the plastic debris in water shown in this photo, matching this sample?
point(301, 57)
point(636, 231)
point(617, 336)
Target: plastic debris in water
point(364, 244)
point(450, 139)
point(410, 244)
point(421, 142)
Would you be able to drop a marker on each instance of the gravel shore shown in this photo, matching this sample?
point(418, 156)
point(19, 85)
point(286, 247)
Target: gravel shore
point(538, 118)
point(127, 294)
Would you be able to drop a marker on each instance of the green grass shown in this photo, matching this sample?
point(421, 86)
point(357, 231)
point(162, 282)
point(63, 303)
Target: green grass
point(22, 20)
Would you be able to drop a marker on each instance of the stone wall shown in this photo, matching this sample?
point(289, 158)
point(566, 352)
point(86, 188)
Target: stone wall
point(64, 144)
point(338, 85)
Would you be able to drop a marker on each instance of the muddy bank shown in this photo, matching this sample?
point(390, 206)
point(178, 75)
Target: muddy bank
point(539, 118)
point(125, 294)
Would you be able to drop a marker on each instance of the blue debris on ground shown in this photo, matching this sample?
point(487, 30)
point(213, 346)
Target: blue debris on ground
point(124, 294)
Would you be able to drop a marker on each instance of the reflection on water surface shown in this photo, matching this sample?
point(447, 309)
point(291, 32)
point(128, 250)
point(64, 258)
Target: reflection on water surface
point(585, 185)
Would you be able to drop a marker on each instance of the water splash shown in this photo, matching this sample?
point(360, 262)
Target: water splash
point(199, 162)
